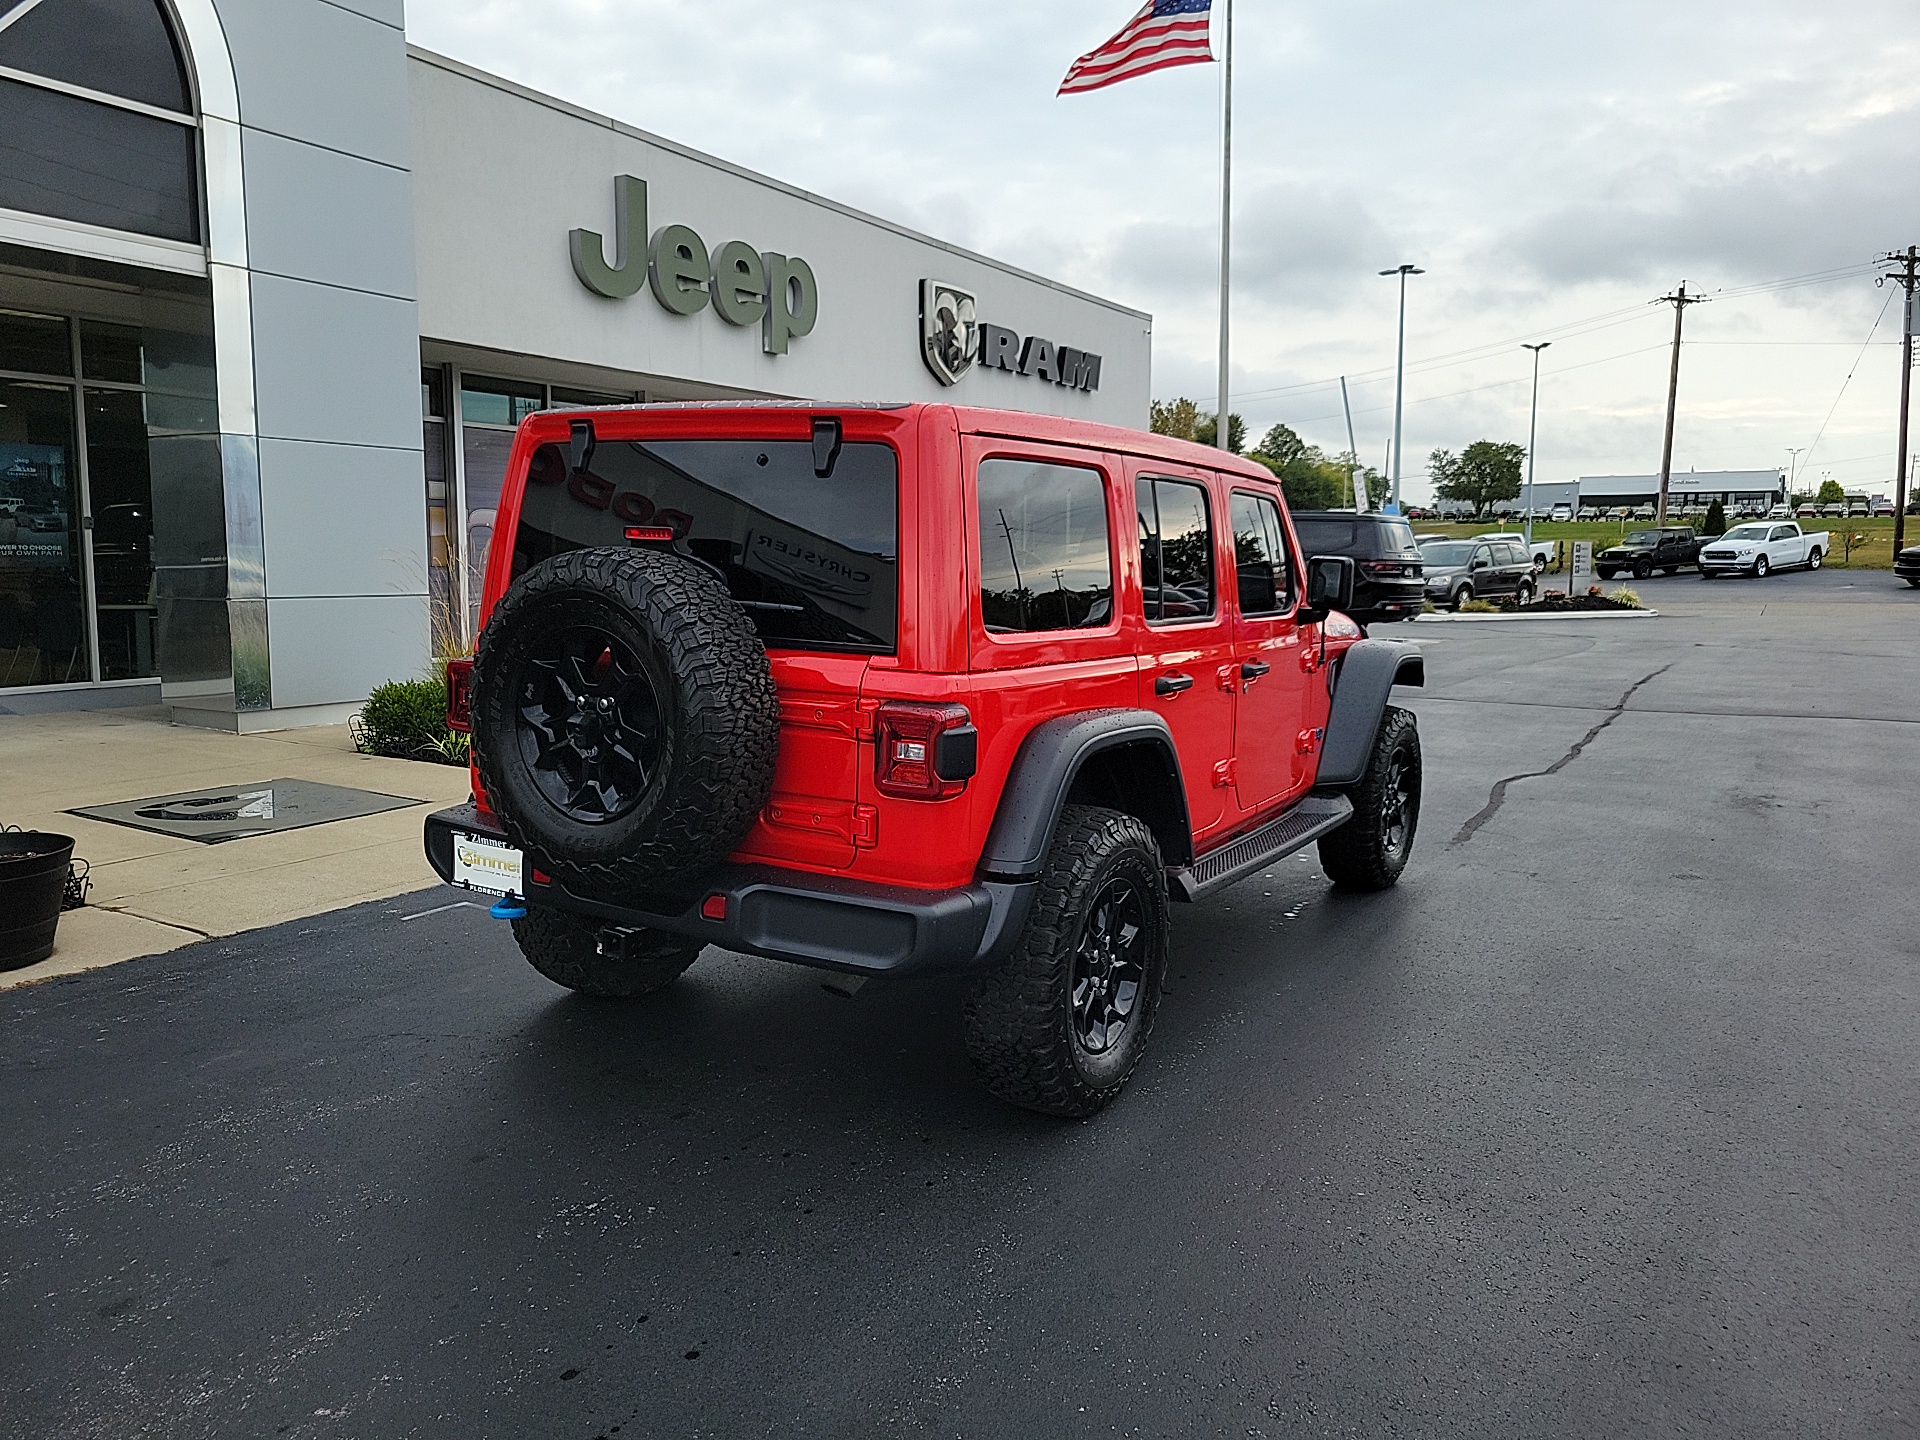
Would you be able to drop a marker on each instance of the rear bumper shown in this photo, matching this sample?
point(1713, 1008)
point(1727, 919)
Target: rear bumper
point(823, 921)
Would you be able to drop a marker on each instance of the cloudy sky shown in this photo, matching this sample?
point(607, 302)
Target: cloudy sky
point(1552, 166)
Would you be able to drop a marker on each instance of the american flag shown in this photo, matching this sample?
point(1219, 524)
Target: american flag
point(1164, 33)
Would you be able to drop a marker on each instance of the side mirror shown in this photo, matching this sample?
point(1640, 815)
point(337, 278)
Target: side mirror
point(1329, 587)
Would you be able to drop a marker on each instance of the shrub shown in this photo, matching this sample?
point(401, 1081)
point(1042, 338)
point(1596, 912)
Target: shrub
point(1479, 607)
point(407, 719)
point(1626, 595)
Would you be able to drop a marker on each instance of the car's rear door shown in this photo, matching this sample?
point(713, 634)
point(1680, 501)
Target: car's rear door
point(1188, 671)
point(1269, 763)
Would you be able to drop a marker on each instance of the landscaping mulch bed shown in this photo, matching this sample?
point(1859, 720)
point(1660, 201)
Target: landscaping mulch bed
point(1562, 605)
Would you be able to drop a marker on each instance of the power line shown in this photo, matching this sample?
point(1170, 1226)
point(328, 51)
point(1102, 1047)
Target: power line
point(1846, 382)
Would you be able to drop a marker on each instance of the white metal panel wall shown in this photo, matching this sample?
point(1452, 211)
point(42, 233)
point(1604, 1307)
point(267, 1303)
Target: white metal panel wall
point(336, 349)
point(501, 175)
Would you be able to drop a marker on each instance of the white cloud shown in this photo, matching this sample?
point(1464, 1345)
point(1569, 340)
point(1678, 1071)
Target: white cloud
point(1545, 162)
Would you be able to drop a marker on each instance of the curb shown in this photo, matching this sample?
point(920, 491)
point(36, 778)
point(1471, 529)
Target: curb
point(1440, 618)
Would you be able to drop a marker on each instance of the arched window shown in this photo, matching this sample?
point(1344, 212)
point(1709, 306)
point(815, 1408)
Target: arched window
point(96, 116)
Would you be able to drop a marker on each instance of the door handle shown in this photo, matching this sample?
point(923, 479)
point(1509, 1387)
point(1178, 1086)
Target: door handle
point(1172, 684)
point(1252, 670)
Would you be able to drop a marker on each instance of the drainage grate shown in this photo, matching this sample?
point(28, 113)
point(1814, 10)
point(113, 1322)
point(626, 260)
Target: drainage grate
point(232, 812)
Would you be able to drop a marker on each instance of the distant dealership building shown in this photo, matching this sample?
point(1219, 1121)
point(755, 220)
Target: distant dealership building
point(1734, 489)
point(1692, 489)
point(275, 288)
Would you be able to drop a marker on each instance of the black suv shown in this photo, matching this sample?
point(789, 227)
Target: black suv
point(1645, 551)
point(1388, 577)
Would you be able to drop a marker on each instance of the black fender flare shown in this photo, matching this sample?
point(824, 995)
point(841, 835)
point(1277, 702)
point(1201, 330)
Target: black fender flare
point(1051, 759)
point(1366, 677)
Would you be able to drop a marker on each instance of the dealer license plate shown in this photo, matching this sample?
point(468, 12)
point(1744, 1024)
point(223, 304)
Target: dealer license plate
point(486, 865)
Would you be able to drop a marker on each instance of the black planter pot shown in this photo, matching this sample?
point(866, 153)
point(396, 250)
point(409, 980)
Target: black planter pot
point(33, 877)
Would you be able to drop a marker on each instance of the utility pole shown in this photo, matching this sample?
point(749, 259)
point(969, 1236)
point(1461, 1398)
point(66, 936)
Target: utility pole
point(1533, 426)
point(1223, 433)
point(1353, 450)
point(1679, 300)
point(1906, 276)
point(1400, 374)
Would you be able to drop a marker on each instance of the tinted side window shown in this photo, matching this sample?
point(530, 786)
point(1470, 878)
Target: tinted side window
point(1483, 555)
point(1326, 537)
point(1513, 555)
point(1260, 555)
point(1044, 558)
point(1176, 549)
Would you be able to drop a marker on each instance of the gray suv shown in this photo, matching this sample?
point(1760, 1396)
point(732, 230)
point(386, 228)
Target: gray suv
point(1463, 570)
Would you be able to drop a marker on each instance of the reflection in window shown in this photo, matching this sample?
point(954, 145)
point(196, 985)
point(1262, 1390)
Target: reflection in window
point(1176, 550)
point(1044, 559)
point(497, 402)
point(118, 47)
point(35, 343)
point(1260, 555)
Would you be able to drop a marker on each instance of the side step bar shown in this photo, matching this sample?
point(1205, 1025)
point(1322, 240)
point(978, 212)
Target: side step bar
point(1295, 830)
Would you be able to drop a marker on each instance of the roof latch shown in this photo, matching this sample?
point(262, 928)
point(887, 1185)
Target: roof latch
point(580, 446)
point(826, 444)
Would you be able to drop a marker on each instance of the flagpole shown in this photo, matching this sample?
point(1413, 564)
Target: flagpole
point(1224, 426)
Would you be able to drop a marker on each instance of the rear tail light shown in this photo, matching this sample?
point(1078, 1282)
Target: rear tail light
point(1385, 567)
point(649, 534)
point(460, 696)
point(924, 752)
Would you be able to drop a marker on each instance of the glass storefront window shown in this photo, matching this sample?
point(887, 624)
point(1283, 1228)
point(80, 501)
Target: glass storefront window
point(498, 402)
point(484, 453)
point(564, 396)
point(43, 629)
point(37, 344)
point(110, 352)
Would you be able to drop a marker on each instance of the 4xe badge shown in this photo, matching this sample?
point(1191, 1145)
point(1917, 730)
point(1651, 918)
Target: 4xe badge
point(949, 330)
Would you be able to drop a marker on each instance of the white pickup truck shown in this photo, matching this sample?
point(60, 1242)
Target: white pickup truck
point(1763, 547)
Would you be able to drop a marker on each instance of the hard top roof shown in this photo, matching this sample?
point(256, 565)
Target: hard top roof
point(977, 420)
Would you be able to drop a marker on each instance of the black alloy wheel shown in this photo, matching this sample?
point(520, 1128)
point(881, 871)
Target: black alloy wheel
point(1060, 1023)
point(1371, 849)
point(1109, 967)
point(1642, 569)
point(591, 730)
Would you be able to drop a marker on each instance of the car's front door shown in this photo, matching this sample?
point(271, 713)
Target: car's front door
point(1188, 673)
point(1270, 762)
point(1481, 573)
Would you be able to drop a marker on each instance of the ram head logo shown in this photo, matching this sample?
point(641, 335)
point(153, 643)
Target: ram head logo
point(949, 330)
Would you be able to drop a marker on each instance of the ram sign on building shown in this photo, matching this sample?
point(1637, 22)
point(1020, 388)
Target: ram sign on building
point(276, 287)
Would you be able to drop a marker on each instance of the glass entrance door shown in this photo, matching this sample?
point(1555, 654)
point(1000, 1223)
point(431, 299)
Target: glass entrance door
point(76, 512)
point(43, 613)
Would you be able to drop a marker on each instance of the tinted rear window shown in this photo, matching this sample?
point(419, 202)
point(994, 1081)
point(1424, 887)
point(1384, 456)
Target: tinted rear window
point(813, 560)
point(1368, 539)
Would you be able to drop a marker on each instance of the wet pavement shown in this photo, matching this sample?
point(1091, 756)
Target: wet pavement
point(1605, 1122)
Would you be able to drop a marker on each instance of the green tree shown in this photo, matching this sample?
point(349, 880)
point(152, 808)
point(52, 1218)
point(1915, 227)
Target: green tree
point(1173, 417)
point(1716, 521)
point(1206, 429)
point(1281, 444)
point(1482, 475)
point(1831, 493)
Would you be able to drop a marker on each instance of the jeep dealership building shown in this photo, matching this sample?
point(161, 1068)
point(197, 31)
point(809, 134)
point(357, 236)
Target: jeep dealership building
point(275, 288)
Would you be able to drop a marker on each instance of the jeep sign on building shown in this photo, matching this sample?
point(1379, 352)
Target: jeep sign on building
point(276, 287)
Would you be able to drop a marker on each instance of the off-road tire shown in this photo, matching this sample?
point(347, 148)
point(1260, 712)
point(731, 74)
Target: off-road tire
point(719, 718)
point(1019, 1019)
point(565, 948)
point(1362, 854)
point(1643, 570)
point(1605, 572)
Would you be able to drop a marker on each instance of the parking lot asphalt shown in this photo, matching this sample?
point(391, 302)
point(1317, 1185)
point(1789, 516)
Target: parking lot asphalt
point(1603, 1123)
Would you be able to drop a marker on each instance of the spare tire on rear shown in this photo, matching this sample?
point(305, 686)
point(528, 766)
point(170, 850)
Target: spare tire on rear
point(625, 723)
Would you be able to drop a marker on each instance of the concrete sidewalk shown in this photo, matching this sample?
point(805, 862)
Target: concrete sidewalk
point(155, 892)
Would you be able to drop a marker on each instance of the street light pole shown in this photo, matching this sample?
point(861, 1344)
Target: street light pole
point(1794, 452)
point(1533, 424)
point(1400, 374)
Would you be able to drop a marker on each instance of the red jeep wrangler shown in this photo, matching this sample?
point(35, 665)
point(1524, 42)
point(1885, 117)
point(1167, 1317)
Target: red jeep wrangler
point(905, 690)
